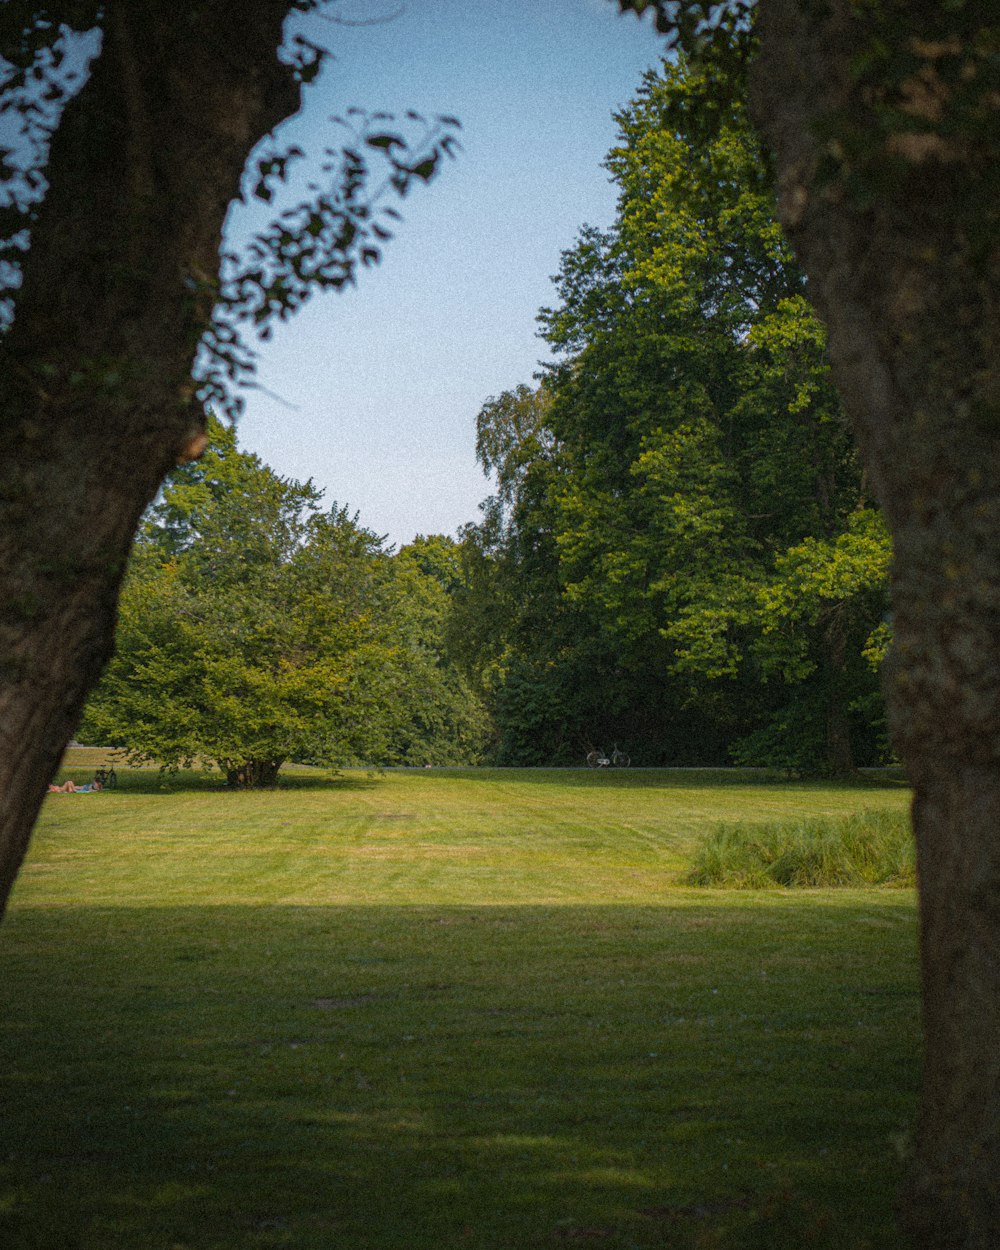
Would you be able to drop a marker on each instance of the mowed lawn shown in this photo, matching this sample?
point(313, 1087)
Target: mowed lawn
point(446, 1009)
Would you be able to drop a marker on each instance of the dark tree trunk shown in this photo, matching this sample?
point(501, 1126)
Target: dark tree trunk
point(910, 297)
point(253, 774)
point(839, 747)
point(97, 396)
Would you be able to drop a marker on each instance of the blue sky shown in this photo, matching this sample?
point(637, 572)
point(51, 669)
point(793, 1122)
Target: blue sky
point(380, 386)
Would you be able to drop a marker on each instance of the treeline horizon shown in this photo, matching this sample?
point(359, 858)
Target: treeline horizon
point(681, 557)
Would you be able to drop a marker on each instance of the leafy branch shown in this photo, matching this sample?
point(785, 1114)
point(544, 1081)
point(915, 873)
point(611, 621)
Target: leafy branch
point(319, 243)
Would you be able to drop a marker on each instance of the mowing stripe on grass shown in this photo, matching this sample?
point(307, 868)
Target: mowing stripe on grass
point(438, 1010)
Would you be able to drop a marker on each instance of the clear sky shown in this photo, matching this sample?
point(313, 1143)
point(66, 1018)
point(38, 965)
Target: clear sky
point(380, 385)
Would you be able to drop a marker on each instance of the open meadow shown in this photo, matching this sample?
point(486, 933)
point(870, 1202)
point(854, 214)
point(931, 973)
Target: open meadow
point(445, 1008)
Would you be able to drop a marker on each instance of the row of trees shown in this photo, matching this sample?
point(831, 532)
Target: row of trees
point(682, 552)
point(257, 627)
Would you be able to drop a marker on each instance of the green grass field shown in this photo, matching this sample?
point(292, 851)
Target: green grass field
point(446, 1009)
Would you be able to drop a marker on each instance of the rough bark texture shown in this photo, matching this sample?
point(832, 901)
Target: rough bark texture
point(909, 295)
point(97, 404)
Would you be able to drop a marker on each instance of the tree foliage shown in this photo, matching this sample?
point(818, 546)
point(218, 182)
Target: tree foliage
point(257, 628)
point(679, 503)
point(334, 221)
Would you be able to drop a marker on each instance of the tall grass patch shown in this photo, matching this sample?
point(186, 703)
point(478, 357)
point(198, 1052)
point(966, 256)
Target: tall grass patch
point(870, 847)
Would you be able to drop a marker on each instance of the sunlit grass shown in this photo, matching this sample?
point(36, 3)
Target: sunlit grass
point(442, 1010)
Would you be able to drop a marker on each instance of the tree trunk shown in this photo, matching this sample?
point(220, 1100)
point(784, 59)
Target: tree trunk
point(839, 747)
point(892, 243)
point(253, 774)
point(97, 403)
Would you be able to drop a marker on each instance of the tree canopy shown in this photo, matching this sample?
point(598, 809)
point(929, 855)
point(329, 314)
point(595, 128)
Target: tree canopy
point(680, 502)
point(256, 628)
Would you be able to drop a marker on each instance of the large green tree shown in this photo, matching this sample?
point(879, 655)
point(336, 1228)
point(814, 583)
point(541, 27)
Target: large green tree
point(558, 680)
point(706, 457)
point(681, 550)
point(257, 628)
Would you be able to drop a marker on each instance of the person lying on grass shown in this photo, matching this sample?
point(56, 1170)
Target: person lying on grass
point(70, 787)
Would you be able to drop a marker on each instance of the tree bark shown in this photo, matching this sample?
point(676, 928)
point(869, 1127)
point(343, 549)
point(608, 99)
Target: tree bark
point(898, 270)
point(97, 400)
point(253, 774)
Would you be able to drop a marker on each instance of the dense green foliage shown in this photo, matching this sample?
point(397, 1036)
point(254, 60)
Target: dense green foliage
point(257, 628)
point(682, 552)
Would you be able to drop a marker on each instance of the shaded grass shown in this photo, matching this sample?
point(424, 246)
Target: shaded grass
point(429, 1011)
point(864, 848)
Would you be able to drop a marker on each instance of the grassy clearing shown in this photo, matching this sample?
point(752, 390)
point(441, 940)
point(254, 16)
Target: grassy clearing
point(445, 1010)
point(865, 848)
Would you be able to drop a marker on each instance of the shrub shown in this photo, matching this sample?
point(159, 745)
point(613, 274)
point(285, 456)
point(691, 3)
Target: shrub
point(866, 848)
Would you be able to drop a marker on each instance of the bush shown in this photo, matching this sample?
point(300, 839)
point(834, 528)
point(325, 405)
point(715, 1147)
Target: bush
point(867, 848)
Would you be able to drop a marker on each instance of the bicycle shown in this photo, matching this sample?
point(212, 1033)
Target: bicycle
point(617, 759)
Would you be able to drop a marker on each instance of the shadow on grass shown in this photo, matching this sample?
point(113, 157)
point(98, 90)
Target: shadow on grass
point(151, 781)
point(719, 1074)
point(672, 778)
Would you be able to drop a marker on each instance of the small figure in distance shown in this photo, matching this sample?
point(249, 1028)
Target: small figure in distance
point(70, 787)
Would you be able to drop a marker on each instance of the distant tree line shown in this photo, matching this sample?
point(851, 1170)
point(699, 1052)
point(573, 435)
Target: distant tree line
point(682, 553)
